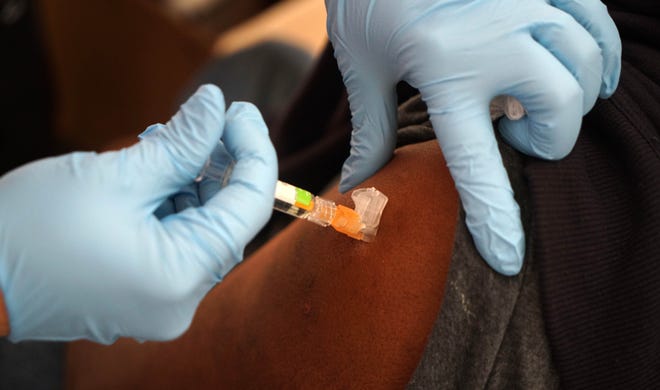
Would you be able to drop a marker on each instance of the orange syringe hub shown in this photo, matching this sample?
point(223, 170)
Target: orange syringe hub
point(347, 221)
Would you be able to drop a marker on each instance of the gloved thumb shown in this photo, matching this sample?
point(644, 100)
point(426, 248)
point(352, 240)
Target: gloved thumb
point(172, 155)
point(373, 108)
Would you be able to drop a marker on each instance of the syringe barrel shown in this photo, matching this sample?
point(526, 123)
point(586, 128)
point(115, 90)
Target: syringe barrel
point(302, 204)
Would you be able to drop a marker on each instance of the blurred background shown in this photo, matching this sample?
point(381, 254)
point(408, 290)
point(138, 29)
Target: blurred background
point(92, 74)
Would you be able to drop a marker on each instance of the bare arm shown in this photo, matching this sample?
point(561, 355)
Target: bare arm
point(311, 308)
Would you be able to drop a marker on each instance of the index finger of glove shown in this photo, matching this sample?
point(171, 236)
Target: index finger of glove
point(492, 215)
point(373, 110)
point(172, 155)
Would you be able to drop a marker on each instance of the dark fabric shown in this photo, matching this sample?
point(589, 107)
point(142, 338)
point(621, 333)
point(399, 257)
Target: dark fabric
point(489, 333)
point(597, 226)
point(312, 141)
point(31, 365)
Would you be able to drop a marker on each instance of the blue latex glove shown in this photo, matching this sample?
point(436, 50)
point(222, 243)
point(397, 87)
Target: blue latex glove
point(555, 56)
point(215, 175)
point(82, 254)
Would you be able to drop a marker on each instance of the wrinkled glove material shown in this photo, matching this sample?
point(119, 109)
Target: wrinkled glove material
point(556, 57)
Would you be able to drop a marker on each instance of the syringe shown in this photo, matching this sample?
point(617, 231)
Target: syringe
point(302, 204)
point(360, 224)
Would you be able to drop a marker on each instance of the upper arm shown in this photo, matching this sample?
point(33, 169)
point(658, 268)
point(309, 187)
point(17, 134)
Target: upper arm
point(312, 308)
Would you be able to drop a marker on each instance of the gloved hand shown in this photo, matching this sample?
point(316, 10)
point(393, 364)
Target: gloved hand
point(554, 56)
point(82, 254)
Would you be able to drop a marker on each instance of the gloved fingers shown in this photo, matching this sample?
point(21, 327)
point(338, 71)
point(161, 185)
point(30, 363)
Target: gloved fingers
point(576, 49)
point(373, 109)
point(492, 215)
point(593, 16)
point(172, 155)
point(370, 82)
point(552, 99)
point(222, 227)
point(251, 186)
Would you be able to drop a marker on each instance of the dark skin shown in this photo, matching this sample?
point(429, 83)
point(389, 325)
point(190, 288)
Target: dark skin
point(312, 308)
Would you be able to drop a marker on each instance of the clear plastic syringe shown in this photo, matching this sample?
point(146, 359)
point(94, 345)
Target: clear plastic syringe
point(360, 224)
point(302, 204)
